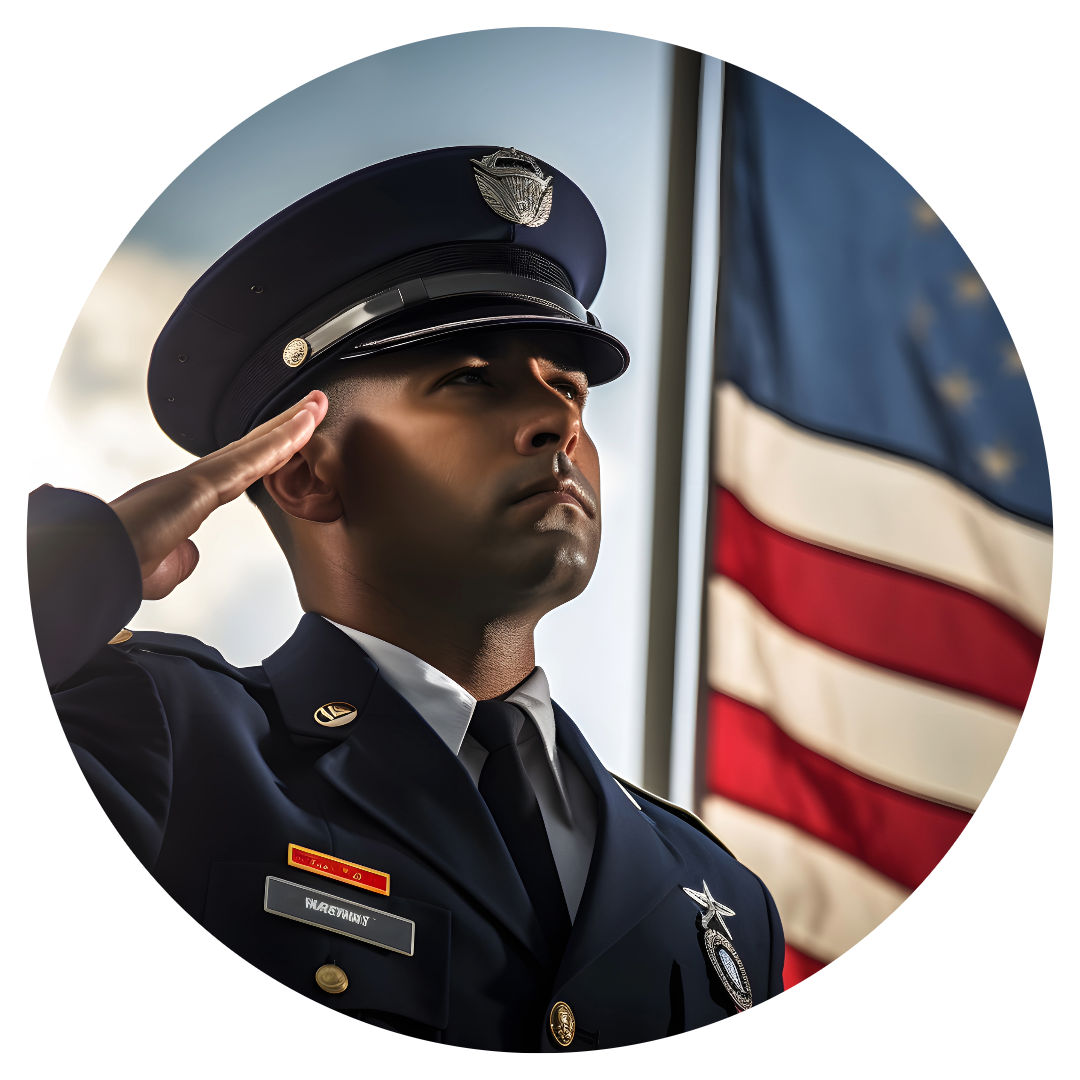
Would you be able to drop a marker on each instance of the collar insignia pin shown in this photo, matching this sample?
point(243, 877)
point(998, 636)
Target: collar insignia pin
point(335, 714)
point(514, 186)
point(719, 949)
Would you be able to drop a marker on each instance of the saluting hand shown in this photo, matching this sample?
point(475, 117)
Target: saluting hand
point(160, 515)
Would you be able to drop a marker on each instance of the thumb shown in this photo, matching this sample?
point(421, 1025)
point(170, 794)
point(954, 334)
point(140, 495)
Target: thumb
point(177, 566)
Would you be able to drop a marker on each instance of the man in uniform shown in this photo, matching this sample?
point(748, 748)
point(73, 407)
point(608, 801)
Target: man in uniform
point(391, 815)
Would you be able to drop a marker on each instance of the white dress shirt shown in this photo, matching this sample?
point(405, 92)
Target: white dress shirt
point(567, 803)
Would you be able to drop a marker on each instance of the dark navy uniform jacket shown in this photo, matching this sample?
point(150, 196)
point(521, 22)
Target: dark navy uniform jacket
point(210, 771)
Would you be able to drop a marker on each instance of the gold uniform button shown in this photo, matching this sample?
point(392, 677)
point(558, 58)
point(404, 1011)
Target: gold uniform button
point(120, 638)
point(332, 979)
point(335, 714)
point(296, 352)
point(562, 1023)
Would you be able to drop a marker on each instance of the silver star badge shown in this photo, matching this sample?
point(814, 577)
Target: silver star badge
point(721, 953)
point(712, 908)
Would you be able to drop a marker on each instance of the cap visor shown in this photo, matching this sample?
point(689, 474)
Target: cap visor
point(600, 355)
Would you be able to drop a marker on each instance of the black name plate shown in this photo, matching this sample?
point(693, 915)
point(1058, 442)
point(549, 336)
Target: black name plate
point(342, 916)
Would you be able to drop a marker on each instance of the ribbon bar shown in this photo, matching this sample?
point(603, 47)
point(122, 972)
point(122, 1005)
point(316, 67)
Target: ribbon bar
point(363, 877)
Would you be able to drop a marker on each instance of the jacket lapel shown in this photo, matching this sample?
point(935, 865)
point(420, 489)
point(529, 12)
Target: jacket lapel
point(633, 866)
point(317, 666)
point(391, 763)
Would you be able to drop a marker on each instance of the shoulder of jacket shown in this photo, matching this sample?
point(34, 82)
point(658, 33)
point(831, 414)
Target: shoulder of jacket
point(676, 811)
point(205, 656)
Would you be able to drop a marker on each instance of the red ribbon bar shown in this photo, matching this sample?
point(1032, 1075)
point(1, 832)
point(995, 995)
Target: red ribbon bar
point(363, 877)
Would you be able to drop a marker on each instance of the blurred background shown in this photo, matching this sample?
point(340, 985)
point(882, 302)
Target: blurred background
point(826, 558)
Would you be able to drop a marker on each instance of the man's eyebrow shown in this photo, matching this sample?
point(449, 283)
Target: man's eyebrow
point(567, 366)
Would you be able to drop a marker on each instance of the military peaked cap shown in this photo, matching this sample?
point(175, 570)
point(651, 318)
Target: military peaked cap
point(464, 239)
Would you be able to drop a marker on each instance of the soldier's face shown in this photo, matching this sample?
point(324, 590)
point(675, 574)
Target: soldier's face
point(466, 474)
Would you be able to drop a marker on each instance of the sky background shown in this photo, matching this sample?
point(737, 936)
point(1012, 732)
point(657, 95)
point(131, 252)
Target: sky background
point(595, 105)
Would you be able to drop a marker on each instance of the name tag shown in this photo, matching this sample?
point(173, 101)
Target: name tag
point(339, 915)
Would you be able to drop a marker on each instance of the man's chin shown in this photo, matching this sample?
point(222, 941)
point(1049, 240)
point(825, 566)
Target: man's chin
point(558, 576)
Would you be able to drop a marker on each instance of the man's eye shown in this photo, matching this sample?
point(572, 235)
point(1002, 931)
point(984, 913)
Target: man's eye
point(568, 390)
point(468, 378)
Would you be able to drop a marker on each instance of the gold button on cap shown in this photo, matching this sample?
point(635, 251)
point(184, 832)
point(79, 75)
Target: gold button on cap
point(296, 352)
point(332, 979)
point(335, 714)
point(562, 1023)
point(120, 638)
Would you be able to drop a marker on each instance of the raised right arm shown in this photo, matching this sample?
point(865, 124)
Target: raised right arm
point(91, 564)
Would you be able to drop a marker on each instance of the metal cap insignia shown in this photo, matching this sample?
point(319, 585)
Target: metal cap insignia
point(514, 186)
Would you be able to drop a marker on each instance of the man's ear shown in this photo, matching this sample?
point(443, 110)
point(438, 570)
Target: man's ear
point(298, 490)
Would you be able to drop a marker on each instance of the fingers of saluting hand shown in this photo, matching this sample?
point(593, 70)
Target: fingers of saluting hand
point(234, 468)
point(174, 568)
point(161, 513)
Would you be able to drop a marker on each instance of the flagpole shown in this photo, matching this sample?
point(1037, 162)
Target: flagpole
point(688, 699)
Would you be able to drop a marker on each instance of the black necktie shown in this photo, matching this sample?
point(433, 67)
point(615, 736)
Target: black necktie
point(506, 789)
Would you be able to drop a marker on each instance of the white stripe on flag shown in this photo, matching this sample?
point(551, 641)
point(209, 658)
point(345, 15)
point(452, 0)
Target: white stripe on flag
point(827, 900)
point(880, 507)
point(909, 734)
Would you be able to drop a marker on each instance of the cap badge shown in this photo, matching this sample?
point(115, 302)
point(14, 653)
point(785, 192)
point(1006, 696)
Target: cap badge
point(514, 186)
point(725, 961)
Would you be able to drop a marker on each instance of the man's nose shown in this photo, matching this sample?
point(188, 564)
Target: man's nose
point(548, 426)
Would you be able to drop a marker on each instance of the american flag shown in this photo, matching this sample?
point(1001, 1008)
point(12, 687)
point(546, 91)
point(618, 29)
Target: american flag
point(881, 547)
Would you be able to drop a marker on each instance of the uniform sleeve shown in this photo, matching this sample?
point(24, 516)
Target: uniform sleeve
point(85, 582)
point(118, 730)
point(85, 585)
point(777, 949)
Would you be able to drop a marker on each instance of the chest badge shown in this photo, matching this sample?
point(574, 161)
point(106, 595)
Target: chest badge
point(718, 948)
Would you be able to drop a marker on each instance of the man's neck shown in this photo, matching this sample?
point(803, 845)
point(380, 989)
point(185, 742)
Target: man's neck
point(464, 632)
point(486, 660)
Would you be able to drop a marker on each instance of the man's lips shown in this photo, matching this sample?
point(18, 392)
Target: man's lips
point(563, 490)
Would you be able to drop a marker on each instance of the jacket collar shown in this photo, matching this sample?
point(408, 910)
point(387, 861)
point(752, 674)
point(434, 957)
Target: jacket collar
point(319, 666)
point(633, 865)
point(393, 765)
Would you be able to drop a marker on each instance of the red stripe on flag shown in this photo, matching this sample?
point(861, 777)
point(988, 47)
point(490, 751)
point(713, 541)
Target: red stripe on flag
point(879, 614)
point(752, 761)
point(798, 966)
